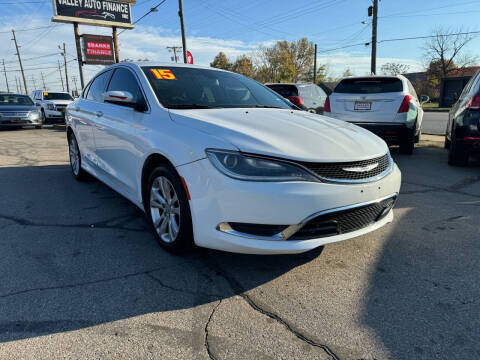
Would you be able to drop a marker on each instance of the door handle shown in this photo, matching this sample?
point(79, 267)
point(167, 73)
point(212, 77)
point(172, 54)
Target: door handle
point(99, 114)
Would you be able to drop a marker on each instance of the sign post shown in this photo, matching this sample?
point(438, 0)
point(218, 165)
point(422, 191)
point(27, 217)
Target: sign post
point(107, 13)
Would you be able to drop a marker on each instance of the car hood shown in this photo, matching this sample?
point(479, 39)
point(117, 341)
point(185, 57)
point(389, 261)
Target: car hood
point(17, 108)
point(296, 135)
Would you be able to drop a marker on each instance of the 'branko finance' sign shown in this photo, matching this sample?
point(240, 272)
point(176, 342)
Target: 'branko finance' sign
point(93, 12)
point(98, 49)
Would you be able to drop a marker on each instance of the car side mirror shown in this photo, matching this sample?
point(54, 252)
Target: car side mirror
point(424, 99)
point(119, 98)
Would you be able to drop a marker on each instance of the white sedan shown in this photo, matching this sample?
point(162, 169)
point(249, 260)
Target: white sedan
point(218, 160)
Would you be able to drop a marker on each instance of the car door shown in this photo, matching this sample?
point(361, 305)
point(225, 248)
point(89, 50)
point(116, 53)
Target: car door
point(84, 114)
point(117, 144)
point(458, 106)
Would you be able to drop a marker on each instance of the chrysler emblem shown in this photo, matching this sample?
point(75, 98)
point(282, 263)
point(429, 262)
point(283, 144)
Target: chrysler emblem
point(359, 169)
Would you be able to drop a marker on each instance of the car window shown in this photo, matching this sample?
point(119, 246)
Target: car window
point(124, 80)
point(284, 90)
point(98, 86)
point(188, 87)
point(15, 100)
point(369, 85)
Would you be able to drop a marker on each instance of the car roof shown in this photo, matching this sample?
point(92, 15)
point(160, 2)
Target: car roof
point(401, 77)
point(140, 64)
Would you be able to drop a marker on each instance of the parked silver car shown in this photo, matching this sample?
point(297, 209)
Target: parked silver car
point(386, 105)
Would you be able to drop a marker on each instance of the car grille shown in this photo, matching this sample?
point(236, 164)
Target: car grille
point(344, 221)
point(339, 172)
point(60, 107)
point(14, 114)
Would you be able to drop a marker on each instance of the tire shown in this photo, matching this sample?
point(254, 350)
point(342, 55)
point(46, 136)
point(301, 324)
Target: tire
point(407, 146)
point(455, 156)
point(76, 159)
point(44, 118)
point(417, 137)
point(447, 143)
point(168, 210)
point(38, 126)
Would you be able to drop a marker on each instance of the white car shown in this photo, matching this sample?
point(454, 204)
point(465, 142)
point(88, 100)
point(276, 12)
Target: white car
point(218, 160)
point(386, 105)
point(52, 105)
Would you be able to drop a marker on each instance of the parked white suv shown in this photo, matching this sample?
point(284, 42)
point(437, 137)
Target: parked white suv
point(386, 105)
point(52, 105)
point(217, 159)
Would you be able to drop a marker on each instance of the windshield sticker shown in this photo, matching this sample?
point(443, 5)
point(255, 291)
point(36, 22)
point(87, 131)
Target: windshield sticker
point(45, 94)
point(163, 74)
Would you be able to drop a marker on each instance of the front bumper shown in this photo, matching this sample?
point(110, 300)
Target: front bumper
point(217, 199)
point(19, 122)
point(55, 114)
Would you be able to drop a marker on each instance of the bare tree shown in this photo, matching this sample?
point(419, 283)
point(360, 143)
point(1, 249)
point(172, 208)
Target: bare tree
point(446, 51)
point(394, 69)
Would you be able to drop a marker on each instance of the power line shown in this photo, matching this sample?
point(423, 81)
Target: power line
point(152, 10)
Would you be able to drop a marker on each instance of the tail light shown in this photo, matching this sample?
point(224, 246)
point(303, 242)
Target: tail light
point(405, 104)
point(326, 106)
point(296, 100)
point(474, 102)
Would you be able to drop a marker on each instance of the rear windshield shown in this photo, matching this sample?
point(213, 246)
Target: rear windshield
point(15, 100)
point(285, 90)
point(56, 96)
point(369, 86)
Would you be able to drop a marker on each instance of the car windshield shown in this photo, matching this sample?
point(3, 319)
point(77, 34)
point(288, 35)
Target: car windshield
point(20, 100)
point(369, 85)
point(190, 88)
point(285, 90)
point(56, 96)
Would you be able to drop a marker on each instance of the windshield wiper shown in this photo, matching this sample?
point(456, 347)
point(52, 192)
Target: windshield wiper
point(268, 107)
point(191, 106)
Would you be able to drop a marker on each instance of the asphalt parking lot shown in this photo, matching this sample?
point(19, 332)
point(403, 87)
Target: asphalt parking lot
point(82, 277)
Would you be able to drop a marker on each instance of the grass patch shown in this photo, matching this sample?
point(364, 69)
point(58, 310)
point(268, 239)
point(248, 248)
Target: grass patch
point(433, 106)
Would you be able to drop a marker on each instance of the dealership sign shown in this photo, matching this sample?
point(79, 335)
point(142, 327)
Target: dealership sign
point(98, 50)
point(93, 12)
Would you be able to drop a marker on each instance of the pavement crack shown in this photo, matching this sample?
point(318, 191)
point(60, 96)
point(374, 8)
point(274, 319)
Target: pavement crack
point(79, 284)
point(186, 291)
point(105, 224)
point(238, 290)
point(451, 189)
point(210, 319)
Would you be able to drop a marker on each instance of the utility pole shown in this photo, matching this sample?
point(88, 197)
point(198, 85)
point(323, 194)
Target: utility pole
point(315, 66)
point(74, 78)
point(182, 24)
point(115, 43)
point(20, 61)
point(34, 82)
point(64, 53)
point(61, 76)
point(373, 10)
point(43, 81)
point(174, 49)
point(5, 73)
point(16, 82)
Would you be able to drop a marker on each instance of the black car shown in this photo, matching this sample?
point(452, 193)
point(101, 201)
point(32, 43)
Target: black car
point(18, 110)
point(463, 129)
point(306, 96)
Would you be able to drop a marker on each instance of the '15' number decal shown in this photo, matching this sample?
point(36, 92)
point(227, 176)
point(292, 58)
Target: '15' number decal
point(164, 74)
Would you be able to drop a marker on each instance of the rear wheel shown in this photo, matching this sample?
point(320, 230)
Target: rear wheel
point(456, 157)
point(407, 146)
point(76, 159)
point(44, 117)
point(447, 143)
point(168, 210)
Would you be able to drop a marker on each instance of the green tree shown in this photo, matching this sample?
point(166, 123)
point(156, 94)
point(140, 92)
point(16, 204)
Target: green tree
point(347, 73)
point(221, 62)
point(244, 65)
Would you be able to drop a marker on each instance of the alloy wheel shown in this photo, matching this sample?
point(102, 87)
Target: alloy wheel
point(165, 209)
point(74, 155)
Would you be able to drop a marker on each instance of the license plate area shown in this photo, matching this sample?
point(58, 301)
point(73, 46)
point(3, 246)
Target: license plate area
point(363, 106)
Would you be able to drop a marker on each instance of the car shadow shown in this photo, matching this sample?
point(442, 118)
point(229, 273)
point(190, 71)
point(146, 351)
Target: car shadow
point(422, 300)
point(77, 254)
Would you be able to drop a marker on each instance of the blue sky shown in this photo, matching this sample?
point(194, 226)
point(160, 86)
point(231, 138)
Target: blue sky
point(240, 27)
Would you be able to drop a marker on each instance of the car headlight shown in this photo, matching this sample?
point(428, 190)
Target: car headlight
point(34, 115)
point(51, 106)
point(255, 168)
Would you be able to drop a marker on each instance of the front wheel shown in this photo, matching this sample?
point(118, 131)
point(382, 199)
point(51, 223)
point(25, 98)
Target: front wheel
point(168, 210)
